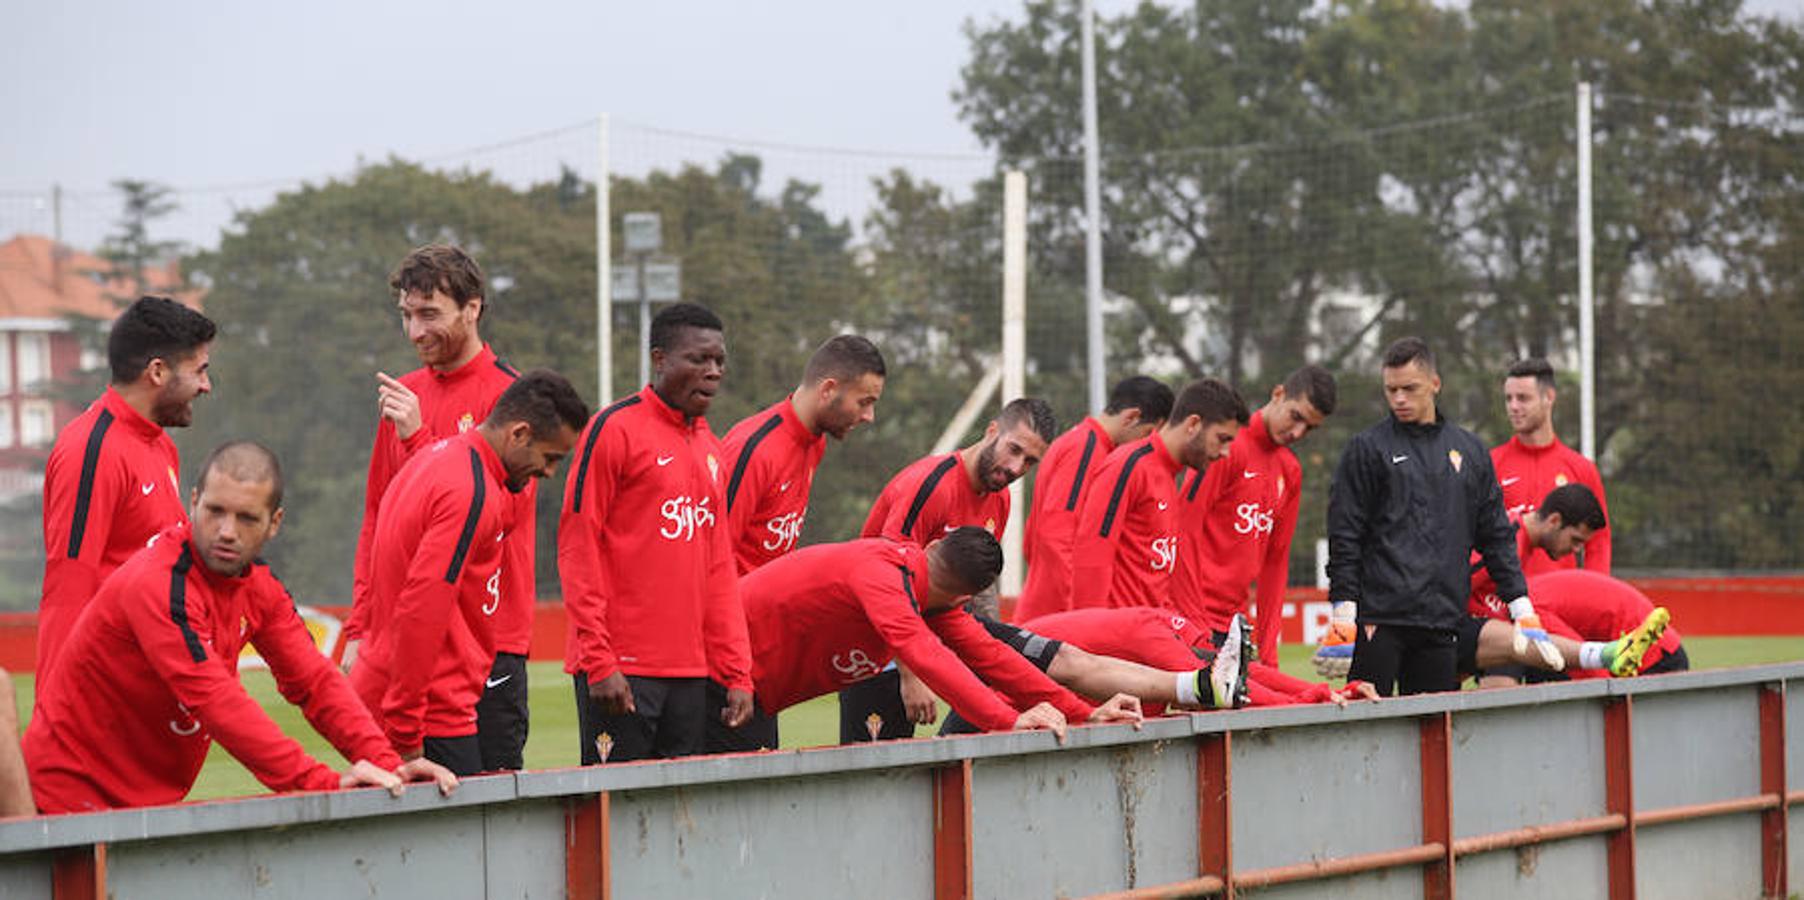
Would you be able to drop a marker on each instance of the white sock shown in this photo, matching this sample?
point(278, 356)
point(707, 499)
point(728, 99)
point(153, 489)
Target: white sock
point(1187, 683)
point(1591, 655)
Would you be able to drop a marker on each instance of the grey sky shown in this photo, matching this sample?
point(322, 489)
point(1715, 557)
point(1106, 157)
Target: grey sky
point(196, 94)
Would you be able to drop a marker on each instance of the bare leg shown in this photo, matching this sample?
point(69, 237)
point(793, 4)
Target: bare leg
point(1100, 677)
point(1496, 647)
point(15, 789)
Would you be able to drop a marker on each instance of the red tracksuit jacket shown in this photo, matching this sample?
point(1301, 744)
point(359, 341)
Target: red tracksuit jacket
point(1527, 474)
point(1163, 640)
point(111, 484)
point(773, 461)
point(450, 404)
point(1238, 520)
point(1127, 529)
point(1065, 471)
point(829, 615)
point(434, 590)
point(148, 680)
point(931, 497)
point(648, 573)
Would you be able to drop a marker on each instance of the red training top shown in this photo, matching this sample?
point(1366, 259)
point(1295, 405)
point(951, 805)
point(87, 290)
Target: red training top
point(1127, 529)
point(109, 487)
point(1065, 471)
point(1597, 607)
point(773, 457)
point(450, 404)
point(648, 574)
point(829, 615)
point(1484, 602)
point(1238, 520)
point(1527, 474)
point(436, 585)
point(930, 497)
point(148, 679)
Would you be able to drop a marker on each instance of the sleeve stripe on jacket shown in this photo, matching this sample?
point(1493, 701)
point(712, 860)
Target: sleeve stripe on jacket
point(477, 495)
point(506, 369)
point(582, 469)
point(745, 456)
point(178, 604)
point(925, 491)
point(90, 461)
point(1121, 483)
point(1083, 467)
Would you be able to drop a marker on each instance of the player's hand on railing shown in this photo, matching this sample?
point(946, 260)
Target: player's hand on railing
point(364, 773)
point(1529, 634)
point(1120, 708)
point(1334, 653)
point(917, 698)
point(1355, 690)
point(423, 769)
point(1042, 715)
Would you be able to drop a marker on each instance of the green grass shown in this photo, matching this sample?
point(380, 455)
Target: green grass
point(812, 724)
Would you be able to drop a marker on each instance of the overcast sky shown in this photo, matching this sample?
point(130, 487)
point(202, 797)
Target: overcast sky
point(197, 94)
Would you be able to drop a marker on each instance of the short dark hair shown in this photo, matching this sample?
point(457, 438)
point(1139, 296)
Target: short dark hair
point(1149, 395)
point(154, 328)
point(1312, 383)
point(544, 400)
point(1575, 504)
point(1213, 400)
point(972, 555)
point(1534, 367)
point(1032, 410)
point(1404, 351)
point(670, 319)
point(440, 267)
point(847, 357)
point(246, 461)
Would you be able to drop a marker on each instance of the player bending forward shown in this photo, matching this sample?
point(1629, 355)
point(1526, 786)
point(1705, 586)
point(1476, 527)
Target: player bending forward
point(831, 615)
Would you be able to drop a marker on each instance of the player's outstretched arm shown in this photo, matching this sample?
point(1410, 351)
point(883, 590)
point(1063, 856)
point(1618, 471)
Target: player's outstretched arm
point(15, 788)
point(423, 769)
point(1042, 716)
point(1118, 709)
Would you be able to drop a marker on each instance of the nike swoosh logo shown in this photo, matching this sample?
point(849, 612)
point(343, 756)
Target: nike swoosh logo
point(496, 682)
point(1398, 459)
point(147, 488)
point(665, 460)
point(1249, 474)
point(1509, 481)
point(783, 487)
point(951, 528)
point(1162, 504)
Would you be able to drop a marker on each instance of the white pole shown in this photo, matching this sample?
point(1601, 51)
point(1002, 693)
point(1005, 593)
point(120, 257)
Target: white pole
point(1092, 218)
point(604, 277)
point(1587, 328)
point(1014, 353)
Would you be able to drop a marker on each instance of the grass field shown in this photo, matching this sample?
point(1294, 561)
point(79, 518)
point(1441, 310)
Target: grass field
point(815, 723)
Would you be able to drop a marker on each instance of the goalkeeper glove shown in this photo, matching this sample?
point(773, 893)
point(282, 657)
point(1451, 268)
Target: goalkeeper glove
point(1334, 653)
point(1529, 633)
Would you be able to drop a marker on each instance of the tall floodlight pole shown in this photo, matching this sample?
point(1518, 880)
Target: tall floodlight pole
point(604, 278)
point(1092, 218)
point(1014, 354)
point(1587, 328)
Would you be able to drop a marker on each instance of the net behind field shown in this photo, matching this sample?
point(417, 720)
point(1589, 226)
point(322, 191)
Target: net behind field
point(1240, 261)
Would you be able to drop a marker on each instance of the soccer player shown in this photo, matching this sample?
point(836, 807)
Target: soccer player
point(648, 573)
point(833, 614)
point(442, 297)
point(1567, 520)
point(1136, 406)
point(1125, 547)
point(148, 678)
point(928, 498)
point(1597, 608)
point(111, 481)
point(1236, 521)
point(774, 453)
point(437, 564)
point(1534, 461)
point(1413, 496)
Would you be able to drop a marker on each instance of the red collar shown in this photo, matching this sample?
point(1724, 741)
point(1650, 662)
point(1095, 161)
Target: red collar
point(114, 402)
point(1102, 434)
point(483, 357)
point(792, 422)
point(1521, 447)
point(1260, 435)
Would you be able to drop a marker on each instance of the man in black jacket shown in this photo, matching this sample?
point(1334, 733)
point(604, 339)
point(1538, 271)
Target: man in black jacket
point(1413, 497)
